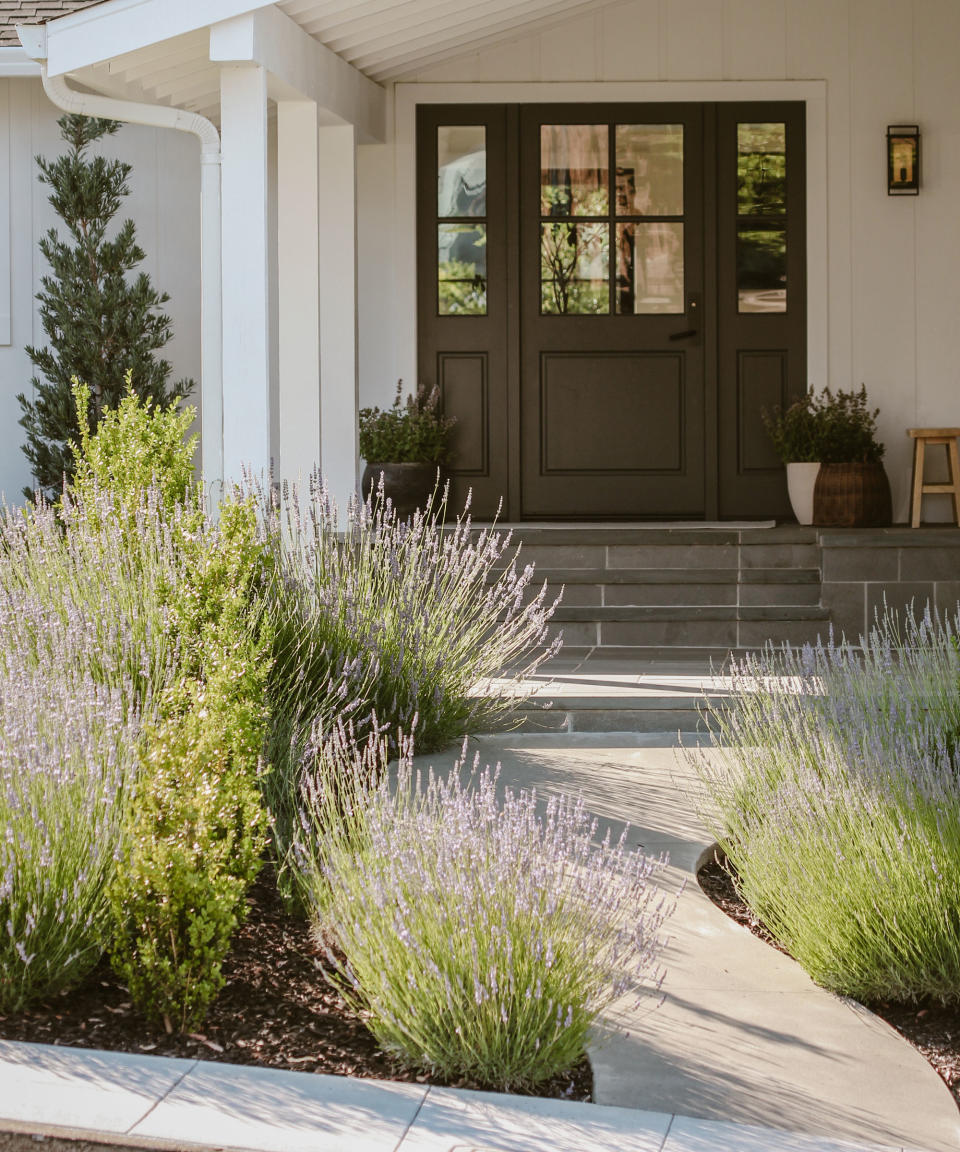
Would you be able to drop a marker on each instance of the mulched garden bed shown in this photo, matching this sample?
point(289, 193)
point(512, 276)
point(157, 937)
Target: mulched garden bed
point(276, 1010)
point(930, 1027)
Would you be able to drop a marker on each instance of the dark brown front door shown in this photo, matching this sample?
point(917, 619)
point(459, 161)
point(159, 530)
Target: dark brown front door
point(609, 296)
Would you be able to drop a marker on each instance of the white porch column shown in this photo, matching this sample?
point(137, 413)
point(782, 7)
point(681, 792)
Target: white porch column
point(298, 243)
point(338, 309)
point(246, 345)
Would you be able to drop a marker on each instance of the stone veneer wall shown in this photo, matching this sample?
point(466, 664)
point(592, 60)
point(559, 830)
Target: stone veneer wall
point(908, 566)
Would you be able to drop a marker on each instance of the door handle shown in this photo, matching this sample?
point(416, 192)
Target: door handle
point(693, 313)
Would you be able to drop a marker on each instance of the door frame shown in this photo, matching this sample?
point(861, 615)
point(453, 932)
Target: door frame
point(408, 96)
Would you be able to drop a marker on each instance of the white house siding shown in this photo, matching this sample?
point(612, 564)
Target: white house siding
point(892, 316)
point(165, 204)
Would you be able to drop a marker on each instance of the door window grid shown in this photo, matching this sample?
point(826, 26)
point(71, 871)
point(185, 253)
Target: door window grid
point(461, 220)
point(580, 219)
point(761, 217)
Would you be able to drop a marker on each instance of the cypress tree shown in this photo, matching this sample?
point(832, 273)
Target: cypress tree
point(101, 321)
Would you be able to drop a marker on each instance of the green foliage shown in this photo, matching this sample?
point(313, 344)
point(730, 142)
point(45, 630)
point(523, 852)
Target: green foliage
point(197, 828)
point(409, 432)
point(849, 430)
point(103, 325)
point(829, 428)
point(401, 624)
point(796, 432)
point(834, 790)
point(481, 939)
point(137, 445)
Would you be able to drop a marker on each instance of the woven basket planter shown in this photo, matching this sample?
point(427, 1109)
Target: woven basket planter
point(852, 496)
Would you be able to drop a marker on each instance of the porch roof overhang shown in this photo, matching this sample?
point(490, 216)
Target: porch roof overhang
point(338, 53)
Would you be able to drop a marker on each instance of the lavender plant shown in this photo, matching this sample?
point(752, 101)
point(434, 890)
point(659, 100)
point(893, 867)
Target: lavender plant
point(835, 793)
point(410, 621)
point(67, 760)
point(481, 939)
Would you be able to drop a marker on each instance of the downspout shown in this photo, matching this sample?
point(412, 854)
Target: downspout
point(34, 40)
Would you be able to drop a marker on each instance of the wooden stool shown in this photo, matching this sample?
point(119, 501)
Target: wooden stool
point(922, 437)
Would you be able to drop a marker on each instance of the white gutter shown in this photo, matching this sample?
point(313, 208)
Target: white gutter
point(34, 39)
point(15, 62)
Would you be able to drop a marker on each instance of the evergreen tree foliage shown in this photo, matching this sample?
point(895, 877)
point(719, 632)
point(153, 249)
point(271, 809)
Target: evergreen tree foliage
point(103, 323)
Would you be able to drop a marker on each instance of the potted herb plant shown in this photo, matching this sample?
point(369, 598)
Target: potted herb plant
point(795, 433)
point(407, 443)
point(852, 489)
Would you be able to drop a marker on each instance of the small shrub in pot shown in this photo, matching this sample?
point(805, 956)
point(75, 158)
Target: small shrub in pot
point(407, 443)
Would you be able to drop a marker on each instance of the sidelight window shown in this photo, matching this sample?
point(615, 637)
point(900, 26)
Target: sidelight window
point(462, 220)
point(761, 217)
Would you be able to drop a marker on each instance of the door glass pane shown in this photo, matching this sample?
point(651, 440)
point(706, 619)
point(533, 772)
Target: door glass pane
point(762, 270)
point(649, 169)
point(462, 269)
point(649, 268)
point(574, 268)
point(574, 170)
point(462, 170)
point(761, 169)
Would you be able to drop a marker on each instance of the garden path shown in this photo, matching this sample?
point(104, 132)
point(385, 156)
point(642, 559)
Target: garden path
point(742, 1034)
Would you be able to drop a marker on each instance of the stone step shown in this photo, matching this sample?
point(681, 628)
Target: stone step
point(676, 575)
point(572, 714)
point(713, 629)
point(616, 612)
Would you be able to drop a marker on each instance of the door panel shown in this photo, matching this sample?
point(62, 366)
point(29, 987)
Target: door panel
point(462, 287)
point(762, 296)
point(611, 369)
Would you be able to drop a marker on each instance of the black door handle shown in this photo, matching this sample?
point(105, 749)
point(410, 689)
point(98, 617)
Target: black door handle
point(685, 335)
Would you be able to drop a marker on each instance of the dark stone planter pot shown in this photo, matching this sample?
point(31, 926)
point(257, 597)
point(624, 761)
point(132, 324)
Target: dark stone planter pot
point(852, 496)
point(407, 486)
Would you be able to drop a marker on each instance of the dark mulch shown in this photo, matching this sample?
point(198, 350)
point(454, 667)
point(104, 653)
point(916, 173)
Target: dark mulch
point(930, 1027)
point(277, 1010)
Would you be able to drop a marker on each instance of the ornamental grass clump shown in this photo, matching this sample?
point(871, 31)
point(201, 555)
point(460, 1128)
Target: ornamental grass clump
point(410, 621)
point(481, 937)
point(837, 801)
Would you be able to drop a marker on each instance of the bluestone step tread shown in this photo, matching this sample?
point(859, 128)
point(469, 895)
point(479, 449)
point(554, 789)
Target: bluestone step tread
point(645, 612)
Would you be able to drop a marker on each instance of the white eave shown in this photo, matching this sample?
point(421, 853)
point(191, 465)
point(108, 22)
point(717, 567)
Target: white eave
point(170, 51)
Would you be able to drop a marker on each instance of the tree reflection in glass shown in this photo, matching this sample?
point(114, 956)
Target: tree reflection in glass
point(574, 268)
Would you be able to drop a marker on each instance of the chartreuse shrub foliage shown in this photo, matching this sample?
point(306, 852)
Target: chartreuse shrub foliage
point(196, 830)
point(133, 662)
point(481, 937)
point(837, 800)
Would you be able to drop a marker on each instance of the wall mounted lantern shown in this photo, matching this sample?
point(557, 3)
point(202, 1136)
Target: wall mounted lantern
point(903, 160)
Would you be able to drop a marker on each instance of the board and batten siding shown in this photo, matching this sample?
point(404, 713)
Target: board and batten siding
point(164, 202)
point(891, 278)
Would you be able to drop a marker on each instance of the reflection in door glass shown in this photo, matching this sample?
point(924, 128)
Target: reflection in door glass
point(649, 169)
point(574, 267)
point(461, 170)
point(574, 170)
point(462, 269)
point(649, 268)
point(762, 270)
point(761, 169)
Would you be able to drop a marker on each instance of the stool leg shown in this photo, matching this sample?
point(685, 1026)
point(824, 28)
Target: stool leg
point(918, 455)
point(953, 460)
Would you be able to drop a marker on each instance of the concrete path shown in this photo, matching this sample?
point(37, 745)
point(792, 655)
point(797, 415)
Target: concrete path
point(133, 1102)
point(742, 1035)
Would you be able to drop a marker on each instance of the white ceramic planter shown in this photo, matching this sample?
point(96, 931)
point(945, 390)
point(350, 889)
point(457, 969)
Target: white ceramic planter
point(801, 479)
